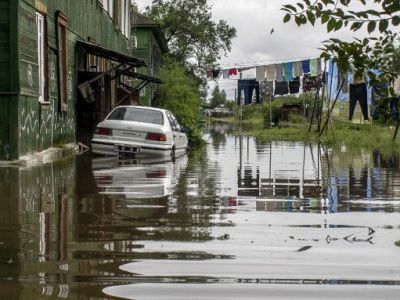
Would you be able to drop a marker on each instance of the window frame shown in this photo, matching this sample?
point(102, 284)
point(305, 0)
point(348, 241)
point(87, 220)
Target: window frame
point(42, 57)
point(62, 51)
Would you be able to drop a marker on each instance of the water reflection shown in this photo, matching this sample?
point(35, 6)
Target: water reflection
point(232, 220)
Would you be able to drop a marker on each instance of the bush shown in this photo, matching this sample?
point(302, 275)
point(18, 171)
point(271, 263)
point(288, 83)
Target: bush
point(306, 100)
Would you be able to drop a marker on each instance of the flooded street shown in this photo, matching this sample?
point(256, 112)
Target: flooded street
point(239, 219)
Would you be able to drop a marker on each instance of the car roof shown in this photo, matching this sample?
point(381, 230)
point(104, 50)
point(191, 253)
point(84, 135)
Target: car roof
point(144, 107)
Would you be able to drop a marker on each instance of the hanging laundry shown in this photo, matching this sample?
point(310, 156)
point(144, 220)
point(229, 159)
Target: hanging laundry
point(281, 88)
point(215, 74)
point(279, 72)
point(288, 70)
point(271, 72)
point(260, 73)
point(294, 86)
point(311, 83)
point(396, 86)
point(358, 93)
point(233, 72)
point(343, 76)
point(266, 88)
point(225, 74)
point(297, 69)
point(314, 67)
point(248, 86)
point(319, 66)
point(306, 66)
point(394, 108)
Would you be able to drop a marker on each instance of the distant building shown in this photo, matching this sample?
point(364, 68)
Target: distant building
point(151, 45)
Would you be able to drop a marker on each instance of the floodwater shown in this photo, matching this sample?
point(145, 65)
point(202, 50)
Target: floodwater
point(240, 219)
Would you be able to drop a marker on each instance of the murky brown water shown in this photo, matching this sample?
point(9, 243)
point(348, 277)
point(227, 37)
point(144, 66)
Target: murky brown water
point(240, 219)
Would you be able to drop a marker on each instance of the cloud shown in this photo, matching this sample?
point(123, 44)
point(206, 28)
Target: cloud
point(254, 20)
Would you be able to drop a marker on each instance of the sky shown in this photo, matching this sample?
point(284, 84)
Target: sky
point(255, 45)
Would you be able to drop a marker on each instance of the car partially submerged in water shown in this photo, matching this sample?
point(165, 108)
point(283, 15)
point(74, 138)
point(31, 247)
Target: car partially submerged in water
point(139, 131)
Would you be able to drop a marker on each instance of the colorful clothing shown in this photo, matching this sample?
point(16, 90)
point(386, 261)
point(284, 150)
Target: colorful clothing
point(271, 72)
point(260, 73)
point(279, 72)
point(288, 71)
point(306, 66)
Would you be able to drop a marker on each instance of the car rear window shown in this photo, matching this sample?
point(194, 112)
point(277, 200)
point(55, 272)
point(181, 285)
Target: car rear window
point(138, 115)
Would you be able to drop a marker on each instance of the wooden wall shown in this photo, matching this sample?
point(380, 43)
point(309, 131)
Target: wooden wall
point(26, 125)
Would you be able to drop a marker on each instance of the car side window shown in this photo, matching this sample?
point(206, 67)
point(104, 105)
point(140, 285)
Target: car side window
point(173, 122)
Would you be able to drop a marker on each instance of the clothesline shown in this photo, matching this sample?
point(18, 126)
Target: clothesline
point(274, 71)
point(254, 64)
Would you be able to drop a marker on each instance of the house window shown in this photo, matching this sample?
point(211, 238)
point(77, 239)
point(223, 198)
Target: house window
point(117, 12)
point(62, 23)
point(125, 21)
point(41, 50)
point(111, 7)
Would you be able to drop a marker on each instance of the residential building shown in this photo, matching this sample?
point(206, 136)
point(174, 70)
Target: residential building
point(151, 45)
point(63, 66)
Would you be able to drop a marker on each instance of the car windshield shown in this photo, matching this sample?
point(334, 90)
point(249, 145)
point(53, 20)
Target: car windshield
point(137, 114)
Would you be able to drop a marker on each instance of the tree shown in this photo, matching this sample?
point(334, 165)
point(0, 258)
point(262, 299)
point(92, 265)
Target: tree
point(179, 93)
point(193, 37)
point(375, 52)
point(217, 97)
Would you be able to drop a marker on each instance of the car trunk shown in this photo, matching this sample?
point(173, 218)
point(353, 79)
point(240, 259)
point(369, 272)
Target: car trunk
point(133, 131)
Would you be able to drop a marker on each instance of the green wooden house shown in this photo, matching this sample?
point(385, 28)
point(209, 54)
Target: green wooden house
point(64, 64)
point(150, 46)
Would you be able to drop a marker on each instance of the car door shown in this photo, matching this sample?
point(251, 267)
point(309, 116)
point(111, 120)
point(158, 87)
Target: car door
point(180, 139)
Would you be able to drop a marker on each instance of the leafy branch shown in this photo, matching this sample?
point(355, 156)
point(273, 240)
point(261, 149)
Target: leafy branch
point(369, 53)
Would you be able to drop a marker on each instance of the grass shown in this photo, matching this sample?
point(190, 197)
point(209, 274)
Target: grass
point(354, 136)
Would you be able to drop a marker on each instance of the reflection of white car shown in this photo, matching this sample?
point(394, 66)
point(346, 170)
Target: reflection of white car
point(137, 179)
point(139, 131)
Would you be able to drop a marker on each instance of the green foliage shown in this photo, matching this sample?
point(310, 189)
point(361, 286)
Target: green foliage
point(363, 54)
point(306, 100)
point(193, 37)
point(180, 94)
point(217, 97)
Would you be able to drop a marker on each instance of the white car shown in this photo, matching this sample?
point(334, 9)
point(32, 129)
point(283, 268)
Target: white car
point(139, 131)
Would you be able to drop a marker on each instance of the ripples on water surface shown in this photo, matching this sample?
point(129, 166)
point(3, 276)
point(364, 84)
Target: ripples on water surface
point(238, 220)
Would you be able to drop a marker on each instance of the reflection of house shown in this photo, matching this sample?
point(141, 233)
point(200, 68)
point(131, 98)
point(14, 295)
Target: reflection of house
point(51, 47)
point(151, 45)
point(35, 222)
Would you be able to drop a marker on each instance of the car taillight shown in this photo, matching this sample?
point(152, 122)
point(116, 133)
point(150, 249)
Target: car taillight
point(156, 137)
point(102, 131)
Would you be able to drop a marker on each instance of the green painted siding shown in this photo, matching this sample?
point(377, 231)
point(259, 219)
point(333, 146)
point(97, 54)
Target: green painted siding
point(26, 125)
point(148, 50)
point(5, 46)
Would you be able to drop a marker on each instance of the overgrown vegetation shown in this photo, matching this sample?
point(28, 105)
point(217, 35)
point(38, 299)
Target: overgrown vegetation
point(180, 94)
point(194, 38)
point(196, 42)
point(256, 122)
